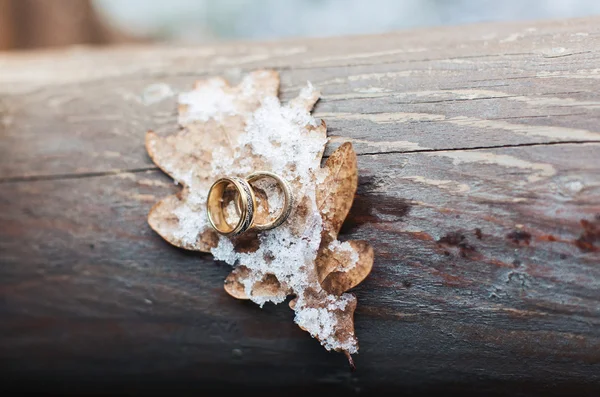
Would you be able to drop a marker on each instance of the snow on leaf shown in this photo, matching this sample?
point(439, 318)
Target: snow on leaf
point(235, 130)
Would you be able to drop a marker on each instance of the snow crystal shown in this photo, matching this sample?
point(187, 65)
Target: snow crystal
point(221, 161)
point(224, 251)
point(191, 223)
point(206, 102)
point(338, 246)
point(192, 216)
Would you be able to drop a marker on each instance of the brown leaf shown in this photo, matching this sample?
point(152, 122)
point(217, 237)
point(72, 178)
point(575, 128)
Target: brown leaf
point(336, 193)
point(233, 130)
point(346, 274)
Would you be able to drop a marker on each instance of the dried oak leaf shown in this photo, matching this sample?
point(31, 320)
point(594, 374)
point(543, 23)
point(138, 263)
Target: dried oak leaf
point(235, 130)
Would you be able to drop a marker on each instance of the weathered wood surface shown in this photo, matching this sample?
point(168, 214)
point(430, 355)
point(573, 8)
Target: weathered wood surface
point(479, 158)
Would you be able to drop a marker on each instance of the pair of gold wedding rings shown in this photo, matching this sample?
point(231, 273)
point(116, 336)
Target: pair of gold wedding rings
point(245, 203)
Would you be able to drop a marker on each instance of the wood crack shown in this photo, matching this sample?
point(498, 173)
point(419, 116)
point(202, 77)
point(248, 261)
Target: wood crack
point(391, 62)
point(66, 176)
point(58, 177)
point(477, 148)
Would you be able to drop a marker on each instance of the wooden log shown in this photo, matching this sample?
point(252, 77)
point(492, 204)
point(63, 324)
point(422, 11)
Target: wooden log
point(479, 159)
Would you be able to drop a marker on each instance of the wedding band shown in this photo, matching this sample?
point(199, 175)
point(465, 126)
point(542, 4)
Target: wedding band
point(287, 196)
point(246, 206)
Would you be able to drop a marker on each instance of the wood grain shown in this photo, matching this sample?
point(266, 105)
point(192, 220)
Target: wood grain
point(479, 158)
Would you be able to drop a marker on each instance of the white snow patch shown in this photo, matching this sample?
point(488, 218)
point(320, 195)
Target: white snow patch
point(321, 322)
point(278, 134)
point(221, 161)
point(191, 223)
point(337, 246)
point(224, 251)
point(209, 101)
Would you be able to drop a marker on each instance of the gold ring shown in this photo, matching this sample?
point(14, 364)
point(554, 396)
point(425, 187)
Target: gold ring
point(246, 206)
point(287, 195)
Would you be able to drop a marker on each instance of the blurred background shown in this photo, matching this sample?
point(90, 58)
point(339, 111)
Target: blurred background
point(42, 23)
